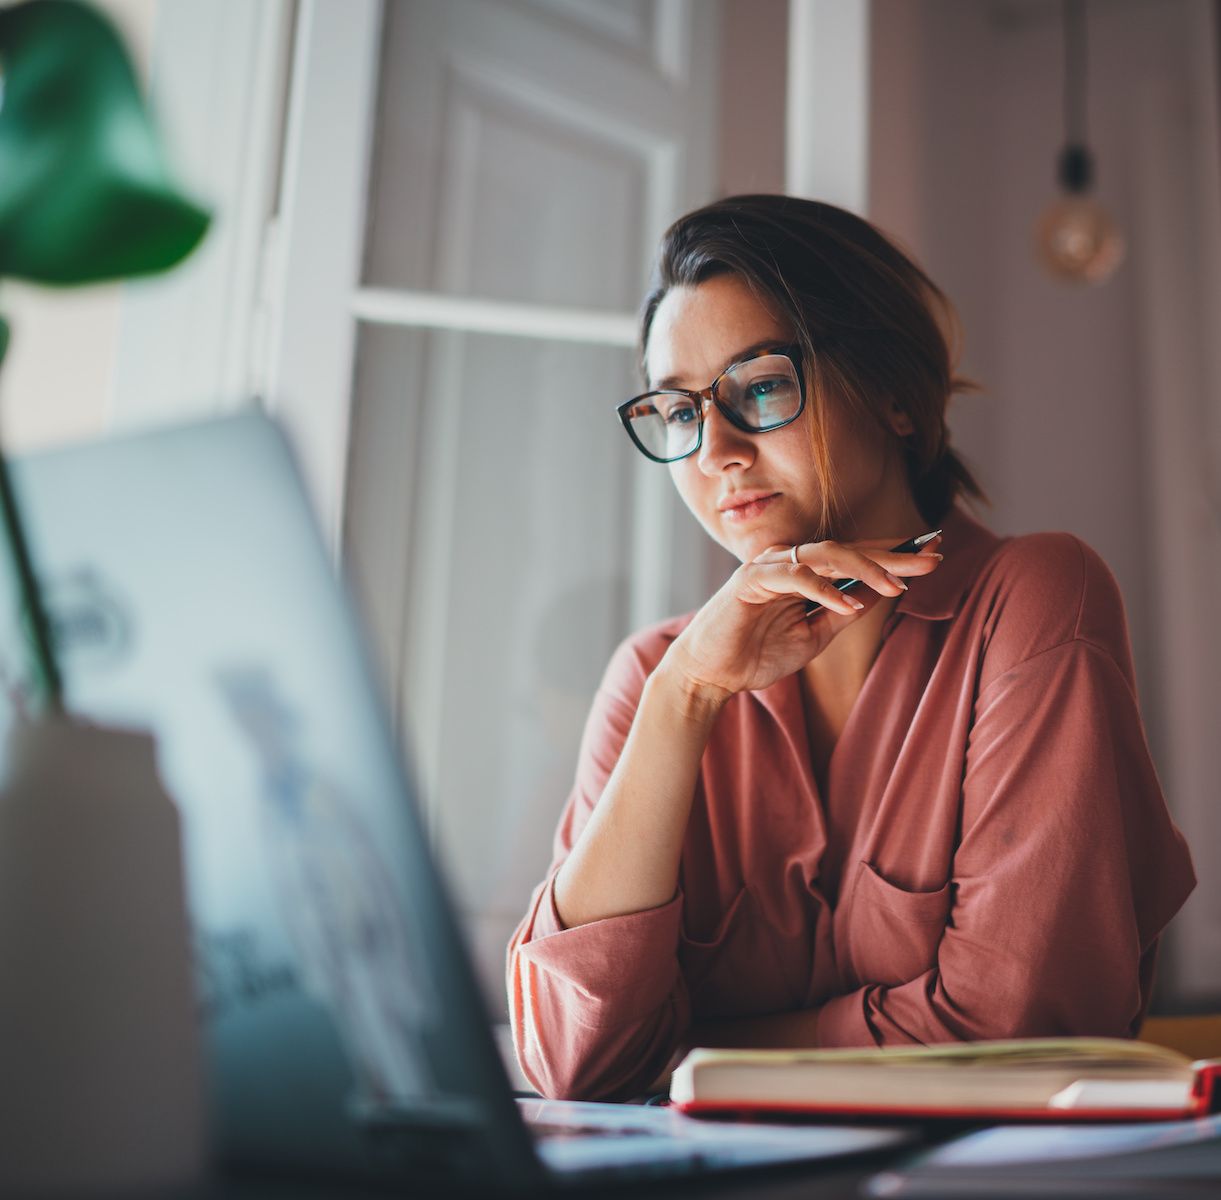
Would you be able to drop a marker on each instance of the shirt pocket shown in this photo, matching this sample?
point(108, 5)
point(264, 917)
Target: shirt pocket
point(735, 971)
point(890, 935)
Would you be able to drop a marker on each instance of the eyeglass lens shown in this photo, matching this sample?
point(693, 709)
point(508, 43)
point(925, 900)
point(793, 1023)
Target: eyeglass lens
point(762, 394)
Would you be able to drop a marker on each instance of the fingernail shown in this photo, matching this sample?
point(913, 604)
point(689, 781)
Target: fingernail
point(937, 556)
point(854, 602)
point(896, 580)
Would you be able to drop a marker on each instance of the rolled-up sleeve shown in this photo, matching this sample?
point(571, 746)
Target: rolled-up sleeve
point(1067, 871)
point(597, 1010)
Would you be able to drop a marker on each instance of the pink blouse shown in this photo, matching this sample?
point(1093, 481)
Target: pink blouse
point(992, 857)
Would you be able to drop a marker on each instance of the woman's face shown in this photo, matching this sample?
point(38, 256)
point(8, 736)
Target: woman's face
point(752, 491)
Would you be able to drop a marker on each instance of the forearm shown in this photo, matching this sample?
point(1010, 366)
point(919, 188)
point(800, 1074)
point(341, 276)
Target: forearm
point(778, 1031)
point(626, 859)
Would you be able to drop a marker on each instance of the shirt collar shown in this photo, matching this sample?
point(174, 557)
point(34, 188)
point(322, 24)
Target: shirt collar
point(966, 544)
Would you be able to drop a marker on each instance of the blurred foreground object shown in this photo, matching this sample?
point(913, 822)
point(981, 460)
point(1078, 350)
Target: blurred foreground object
point(98, 1029)
point(85, 195)
point(1075, 238)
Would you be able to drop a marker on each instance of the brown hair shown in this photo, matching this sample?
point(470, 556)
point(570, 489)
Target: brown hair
point(872, 326)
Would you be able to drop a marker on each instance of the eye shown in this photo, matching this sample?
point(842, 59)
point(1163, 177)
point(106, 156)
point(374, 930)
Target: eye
point(682, 412)
point(769, 393)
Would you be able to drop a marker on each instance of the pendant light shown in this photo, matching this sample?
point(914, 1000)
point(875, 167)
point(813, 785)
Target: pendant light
point(1075, 238)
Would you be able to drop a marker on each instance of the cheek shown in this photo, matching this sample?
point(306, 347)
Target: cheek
point(790, 457)
point(870, 454)
point(696, 491)
point(686, 486)
point(858, 449)
point(684, 483)
point(794, 444)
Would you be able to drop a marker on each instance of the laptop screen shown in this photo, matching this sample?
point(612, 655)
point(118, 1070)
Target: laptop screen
point(190, 594)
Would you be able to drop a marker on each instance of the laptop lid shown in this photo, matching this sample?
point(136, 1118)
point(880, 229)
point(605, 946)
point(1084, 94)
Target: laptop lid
point(191, 595)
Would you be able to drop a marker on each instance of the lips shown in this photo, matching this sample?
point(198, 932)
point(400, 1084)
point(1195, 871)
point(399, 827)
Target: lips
point(738, 499)
point(743, 506)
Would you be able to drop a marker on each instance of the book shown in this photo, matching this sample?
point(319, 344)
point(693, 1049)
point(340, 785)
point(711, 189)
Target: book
point(1058, 1079)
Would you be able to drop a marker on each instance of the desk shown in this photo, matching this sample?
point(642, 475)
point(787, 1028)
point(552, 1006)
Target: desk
point(809, 1182)
point(791, 1185)
point(1197, 1173)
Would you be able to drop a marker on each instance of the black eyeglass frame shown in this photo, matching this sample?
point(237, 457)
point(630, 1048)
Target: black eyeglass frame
point(792, 352)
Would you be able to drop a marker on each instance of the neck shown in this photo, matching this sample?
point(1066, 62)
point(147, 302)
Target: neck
point(891, 516)
point(842, 667)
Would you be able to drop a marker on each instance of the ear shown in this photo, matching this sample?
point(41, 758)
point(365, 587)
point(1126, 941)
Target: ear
point(899, 422)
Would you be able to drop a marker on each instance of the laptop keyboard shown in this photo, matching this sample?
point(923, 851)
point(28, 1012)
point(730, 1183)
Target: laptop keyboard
point(549, 1129)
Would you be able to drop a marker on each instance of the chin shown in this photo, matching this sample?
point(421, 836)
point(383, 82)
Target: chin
point(746, 549)
point(731, 545)
point(744, 544)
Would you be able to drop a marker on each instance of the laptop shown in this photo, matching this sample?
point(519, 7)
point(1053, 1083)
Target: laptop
point(342, 1024)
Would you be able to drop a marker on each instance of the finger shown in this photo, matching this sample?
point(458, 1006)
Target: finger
point(841, 562)
point(776, 553)
point(854, 589)
point(767, 581)
point(910, 564)
point(923, 562)
point(783, 550)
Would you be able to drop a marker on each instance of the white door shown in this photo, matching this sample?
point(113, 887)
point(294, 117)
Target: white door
point(522, 159)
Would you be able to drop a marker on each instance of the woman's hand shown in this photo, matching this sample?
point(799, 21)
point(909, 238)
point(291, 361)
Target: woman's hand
point(752, 632)
point(755, 629)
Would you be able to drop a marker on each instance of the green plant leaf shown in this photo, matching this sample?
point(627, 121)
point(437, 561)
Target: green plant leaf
point(85, 193)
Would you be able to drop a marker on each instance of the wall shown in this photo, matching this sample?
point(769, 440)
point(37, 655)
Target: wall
point(754, 73)
point(966, 126)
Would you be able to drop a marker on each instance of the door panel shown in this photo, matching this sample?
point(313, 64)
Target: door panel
point(538, 157)
point(500, 529)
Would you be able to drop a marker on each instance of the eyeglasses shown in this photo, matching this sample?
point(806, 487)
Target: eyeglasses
point(763, 392)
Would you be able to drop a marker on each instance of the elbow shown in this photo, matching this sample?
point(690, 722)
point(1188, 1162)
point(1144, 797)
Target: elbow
point(562, 1068)
point(577, 1062)
point(601, 1034)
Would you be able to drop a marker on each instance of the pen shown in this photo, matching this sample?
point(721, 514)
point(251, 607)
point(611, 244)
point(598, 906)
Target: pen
point(911, 546)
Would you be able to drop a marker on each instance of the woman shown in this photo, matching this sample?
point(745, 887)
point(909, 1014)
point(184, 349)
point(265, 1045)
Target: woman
point(923, 813)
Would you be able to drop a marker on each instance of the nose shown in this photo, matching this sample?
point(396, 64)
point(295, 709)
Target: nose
point(723, 446)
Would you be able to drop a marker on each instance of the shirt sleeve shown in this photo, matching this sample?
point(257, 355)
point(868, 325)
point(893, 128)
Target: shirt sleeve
point(1068, 866)
point(598, 1010)
point(1067, 870)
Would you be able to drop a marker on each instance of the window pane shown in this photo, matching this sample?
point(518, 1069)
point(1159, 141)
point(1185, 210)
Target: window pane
point(487, 535)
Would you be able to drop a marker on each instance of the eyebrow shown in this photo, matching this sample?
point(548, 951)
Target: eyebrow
point(671, 381)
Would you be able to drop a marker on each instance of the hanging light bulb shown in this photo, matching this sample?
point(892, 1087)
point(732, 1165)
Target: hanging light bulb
point(1075, 237)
